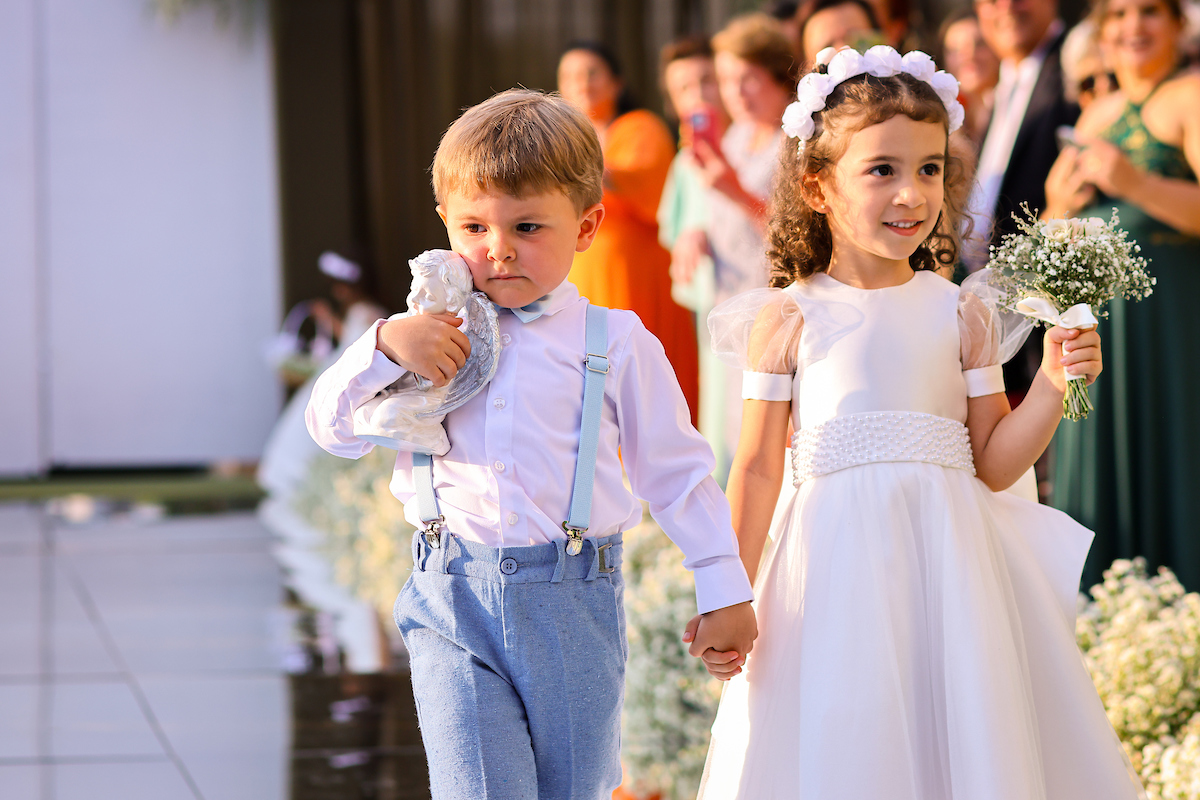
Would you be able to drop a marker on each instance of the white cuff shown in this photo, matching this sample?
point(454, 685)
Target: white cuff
point(984, 381)
point(766, 386)
point(720, 584)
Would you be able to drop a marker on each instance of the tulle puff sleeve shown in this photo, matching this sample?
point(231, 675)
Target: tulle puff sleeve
point(759, 332)
point(990, 333)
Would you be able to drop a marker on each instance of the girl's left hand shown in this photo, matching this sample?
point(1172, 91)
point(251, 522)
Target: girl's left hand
point(1106, 167)
point(1074, 351)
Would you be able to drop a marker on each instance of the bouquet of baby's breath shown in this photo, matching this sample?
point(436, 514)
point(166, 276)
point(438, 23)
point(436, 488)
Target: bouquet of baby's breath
point(1063, 272)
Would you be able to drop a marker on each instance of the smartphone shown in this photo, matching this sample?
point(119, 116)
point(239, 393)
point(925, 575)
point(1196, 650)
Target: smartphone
point(702, 126)
point(1066, 137)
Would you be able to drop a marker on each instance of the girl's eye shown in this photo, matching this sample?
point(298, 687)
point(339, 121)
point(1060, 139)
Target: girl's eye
point(527, 227)
point(931, 169)
point(883, 170)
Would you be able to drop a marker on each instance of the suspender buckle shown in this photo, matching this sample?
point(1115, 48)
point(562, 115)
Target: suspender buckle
point(574, 539)
point(433, 529)
point(602, 553)
point(596, 363)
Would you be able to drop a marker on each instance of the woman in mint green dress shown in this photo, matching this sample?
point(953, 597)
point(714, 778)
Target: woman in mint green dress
point(1131, 471)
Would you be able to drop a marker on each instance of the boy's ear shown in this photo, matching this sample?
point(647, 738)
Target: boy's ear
point(441, 212)
point(589, 223)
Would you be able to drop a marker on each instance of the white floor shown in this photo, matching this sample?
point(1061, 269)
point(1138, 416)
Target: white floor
point(138, 660)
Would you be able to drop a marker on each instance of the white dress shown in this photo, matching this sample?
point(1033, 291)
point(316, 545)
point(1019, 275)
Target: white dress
point(916, 630)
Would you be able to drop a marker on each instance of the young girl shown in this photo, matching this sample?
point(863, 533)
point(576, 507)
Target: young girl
point(916, 622)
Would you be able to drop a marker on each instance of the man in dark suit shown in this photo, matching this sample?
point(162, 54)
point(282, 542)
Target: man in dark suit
point(1020, 144)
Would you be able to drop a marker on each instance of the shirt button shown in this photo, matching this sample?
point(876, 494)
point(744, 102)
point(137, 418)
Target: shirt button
point(498, 466)
point(506, 339)
point(508, 566)
point(512, 519)
point(498, 402)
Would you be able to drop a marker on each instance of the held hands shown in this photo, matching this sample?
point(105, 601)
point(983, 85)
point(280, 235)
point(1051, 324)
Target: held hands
point(722, 639)
point(1071, 351)
point(429, 345)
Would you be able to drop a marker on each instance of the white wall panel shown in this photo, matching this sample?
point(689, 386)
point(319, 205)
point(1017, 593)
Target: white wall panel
point(163, 256)
point(20, 423)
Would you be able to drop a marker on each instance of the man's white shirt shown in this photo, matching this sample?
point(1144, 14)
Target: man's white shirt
point(1013, 93)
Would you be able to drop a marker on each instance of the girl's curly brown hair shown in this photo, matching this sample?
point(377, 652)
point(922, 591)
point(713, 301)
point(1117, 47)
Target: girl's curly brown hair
point(799, 241)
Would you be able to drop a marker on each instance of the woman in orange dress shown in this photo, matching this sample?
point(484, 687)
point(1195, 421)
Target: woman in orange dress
point(626, 267)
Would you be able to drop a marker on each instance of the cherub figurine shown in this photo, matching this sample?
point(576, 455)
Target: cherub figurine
point(408, 414)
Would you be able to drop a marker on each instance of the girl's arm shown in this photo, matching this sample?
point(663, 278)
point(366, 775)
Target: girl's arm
point(757, 474)
point(1007, 442)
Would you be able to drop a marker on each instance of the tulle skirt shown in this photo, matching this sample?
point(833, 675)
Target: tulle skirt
point(916, 642)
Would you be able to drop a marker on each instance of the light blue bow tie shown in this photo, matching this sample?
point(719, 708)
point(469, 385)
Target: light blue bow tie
point(530, 312)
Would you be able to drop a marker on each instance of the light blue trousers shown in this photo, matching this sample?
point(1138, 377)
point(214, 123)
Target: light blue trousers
point(518, 667)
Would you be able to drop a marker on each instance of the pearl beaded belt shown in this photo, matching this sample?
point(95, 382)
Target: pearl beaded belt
point(856, 439)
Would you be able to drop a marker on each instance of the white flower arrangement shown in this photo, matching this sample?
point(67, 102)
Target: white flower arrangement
point(367, 540)
point(670, 701)
point(881, 61)
point(1063, 272)
point(1140, 638)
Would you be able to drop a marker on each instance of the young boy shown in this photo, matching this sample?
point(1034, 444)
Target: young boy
point(516, 632)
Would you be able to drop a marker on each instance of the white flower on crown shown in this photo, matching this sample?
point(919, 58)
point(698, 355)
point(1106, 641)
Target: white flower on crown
point(881, 61)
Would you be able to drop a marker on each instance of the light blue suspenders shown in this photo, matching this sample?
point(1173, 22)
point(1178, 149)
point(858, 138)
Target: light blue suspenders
point(580, 515)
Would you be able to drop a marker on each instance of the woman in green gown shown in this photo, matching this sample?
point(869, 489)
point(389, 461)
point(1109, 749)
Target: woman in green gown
point(1131, 471)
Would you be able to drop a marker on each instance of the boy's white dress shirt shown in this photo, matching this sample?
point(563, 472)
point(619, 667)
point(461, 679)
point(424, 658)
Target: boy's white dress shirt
point(508, 477)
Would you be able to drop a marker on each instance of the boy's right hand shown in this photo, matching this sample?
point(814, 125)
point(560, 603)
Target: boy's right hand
point(429, 345)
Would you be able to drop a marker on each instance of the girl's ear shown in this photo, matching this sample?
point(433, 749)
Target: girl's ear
point(814, 193)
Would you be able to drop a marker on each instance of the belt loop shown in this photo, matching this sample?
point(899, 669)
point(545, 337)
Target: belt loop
point(446, 538)
point(561, 566)
point(594, 570)
point(416, 551)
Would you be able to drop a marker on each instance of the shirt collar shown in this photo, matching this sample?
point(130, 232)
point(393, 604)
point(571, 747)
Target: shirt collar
point(549, 304)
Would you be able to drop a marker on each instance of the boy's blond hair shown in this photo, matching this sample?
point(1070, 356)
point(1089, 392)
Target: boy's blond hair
point(521, 142)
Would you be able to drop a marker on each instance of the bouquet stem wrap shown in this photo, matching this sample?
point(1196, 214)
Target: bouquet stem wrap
point(1076, 402)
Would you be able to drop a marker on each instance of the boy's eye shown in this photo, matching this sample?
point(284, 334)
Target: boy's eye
point(527, 227)
point(473, 227)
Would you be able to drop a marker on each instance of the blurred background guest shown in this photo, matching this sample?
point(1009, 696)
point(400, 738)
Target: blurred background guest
point(839, 23)
point(787, 14)
point(894, 20)
point(1086, 74)
point(1130, 472)
point(689, 79)
point(756, 74)
point(1020, 143)
point(626, 267)
point(966, 56)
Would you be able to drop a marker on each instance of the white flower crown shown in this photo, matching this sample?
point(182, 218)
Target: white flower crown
point(881, 61)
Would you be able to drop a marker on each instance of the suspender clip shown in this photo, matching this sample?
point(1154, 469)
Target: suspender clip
point(574, 538)
point(433, 531)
